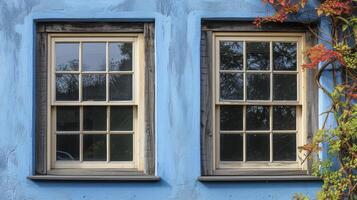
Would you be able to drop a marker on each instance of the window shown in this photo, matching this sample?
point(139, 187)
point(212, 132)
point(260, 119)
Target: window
point(257, 107)
point(96, 101)
point(254, 103)
point(99, 99)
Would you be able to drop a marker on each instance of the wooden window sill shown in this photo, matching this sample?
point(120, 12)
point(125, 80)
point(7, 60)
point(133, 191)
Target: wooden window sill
point(140, 178)
point(256, 178)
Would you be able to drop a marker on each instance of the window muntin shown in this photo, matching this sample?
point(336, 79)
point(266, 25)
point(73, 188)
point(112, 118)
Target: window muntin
point(258, 108)
point(97, 109)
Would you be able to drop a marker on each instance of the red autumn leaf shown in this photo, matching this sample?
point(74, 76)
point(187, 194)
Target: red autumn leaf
point(335, 7)
point(319, 53)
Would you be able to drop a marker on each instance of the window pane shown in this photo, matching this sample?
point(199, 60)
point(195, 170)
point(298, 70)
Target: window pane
point(66, 87)
point(93, 56)
point(121, 87)
point(231, 55)
point(121, 118)
point(121, 147)
point(258, 55)
point(284, 55)
point(94, 147)
point(67, 56)
point(258, 86)
point(257, 118)
point(67, 118)
point(231, 86)
point(94, 118)
point(285, 87)
point(67, 147)
point(284, 147)
point(120, 56)
point(94, 87)
point(231, 117)
point(284, 117)
point(231, 147)
point(258, 147)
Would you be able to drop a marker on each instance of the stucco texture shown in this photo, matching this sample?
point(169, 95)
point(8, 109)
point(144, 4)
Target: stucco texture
point(177, 92)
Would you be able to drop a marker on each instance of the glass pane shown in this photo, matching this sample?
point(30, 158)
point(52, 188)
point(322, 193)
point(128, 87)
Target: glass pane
point(231, 86)
point(93, 56)
point(94, 147)
point(95, 118)
point(258, 147)
point(67, 147)
point(121, 87)
point(120, 56)
point(231, 117)
point(284, 117)
point(284, 147)
point(284, 87)
point(67, 118)
point(121, 118)
point(67, 56)
point(257, 118)
point(231, 147)
point(258, 56)
point(231, 55)
point(121, 147)
point(258, 86)
point(66, 87)
point(94, 87)
point(284, 55)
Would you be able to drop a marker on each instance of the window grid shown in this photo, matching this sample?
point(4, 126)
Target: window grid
point(245, 102)
point(82, 103)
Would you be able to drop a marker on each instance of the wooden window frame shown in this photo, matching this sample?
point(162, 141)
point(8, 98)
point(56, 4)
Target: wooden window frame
point(210, 170)
point(143, 33)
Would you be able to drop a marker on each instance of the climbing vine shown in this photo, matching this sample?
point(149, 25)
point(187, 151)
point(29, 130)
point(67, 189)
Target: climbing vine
point(339, 57)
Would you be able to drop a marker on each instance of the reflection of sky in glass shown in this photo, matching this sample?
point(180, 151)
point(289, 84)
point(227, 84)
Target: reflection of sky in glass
point(67, 56)
point(284, 56)
point(94, 56)
point(231, 87)
point(231, 55)
point(258, 56)
point(66, 87)
point(120, 56)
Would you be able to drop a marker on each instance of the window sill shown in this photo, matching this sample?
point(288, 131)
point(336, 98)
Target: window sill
point(142, 178)
point(256, 178)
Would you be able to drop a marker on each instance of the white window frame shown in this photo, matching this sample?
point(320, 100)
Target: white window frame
point(138, 99)
point(301, 112)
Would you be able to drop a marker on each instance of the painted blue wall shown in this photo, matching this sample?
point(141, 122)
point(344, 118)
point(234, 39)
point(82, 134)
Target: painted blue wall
point(178, 97)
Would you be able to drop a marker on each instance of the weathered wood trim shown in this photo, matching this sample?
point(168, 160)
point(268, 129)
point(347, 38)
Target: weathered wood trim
point(248, 26)
point(256, 178)
point(149, 44)
point(207, 155)
point(41, 69)
point(206, 104)
point(92, 27)
point(139, 178)
point(41, 103)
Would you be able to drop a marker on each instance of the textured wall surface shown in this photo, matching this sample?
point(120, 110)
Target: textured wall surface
point(178, 94)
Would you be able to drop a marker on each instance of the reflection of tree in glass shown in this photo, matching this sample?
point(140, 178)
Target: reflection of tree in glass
point(284, 118)
point(284, 55)
point(71, 65)
point(258, 117)
point(120, 87)
point(231, 55)
point(258, 86)
point(66, 87)
point(258, 55)
point(231, 86)
point(94, 87)
point(121, 56)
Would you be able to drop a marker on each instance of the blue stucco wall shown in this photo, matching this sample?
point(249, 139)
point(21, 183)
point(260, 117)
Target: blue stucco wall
point(177, 94)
